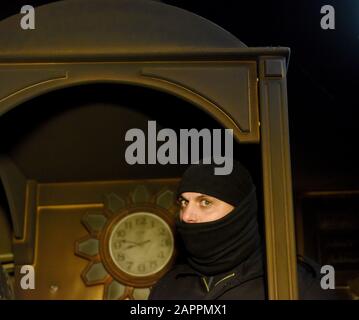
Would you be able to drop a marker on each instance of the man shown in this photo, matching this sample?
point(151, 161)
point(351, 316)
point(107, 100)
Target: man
point(218, 226)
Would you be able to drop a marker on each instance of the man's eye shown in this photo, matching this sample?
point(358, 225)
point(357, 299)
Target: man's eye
point(182, 202)
point(205, 203)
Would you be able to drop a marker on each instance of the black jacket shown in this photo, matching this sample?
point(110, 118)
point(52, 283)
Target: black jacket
point(244, 282)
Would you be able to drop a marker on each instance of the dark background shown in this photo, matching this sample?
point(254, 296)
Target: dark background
point(323, 77)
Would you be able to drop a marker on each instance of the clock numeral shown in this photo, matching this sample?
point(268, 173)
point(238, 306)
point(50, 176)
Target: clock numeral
point(117, 244)
point(153, 264)
point(161, 255)
point(165, 242)
point(153, 224)
point(120, 257)
point(162, 231)
point(141, 221)
point(121, 233)
point(141, 267)
point(129, 264)
point(128, 225)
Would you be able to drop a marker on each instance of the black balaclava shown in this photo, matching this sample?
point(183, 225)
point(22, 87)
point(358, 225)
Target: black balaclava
point(218, 246)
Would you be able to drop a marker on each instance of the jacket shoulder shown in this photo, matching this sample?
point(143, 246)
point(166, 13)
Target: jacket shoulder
point(165, 285)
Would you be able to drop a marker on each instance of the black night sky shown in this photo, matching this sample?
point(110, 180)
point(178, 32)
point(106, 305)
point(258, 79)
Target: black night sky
point(323, 77)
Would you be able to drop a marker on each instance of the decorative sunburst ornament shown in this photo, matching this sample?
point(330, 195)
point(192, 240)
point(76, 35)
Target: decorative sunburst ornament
point(130, 244)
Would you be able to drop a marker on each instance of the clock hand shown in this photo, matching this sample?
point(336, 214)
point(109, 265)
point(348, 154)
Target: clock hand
point(129, 241)
point(144, 242)
point(135, 244)
point(130, 246)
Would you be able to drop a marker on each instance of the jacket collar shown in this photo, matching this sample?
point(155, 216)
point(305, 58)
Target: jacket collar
point(250, 269)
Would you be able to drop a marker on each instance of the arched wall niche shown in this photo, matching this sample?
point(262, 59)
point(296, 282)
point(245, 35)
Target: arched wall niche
point(71, 133)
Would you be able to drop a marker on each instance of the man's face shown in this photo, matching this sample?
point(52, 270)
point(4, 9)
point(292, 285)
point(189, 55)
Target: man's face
point(198, 208)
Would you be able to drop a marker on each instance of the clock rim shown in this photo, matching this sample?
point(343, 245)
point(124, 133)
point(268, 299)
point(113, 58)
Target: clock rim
point(114, 270)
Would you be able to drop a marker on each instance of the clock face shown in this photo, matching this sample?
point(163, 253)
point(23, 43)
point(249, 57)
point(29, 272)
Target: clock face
point(141, 244)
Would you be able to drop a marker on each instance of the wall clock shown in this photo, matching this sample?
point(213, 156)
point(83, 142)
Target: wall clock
point(138, 245)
